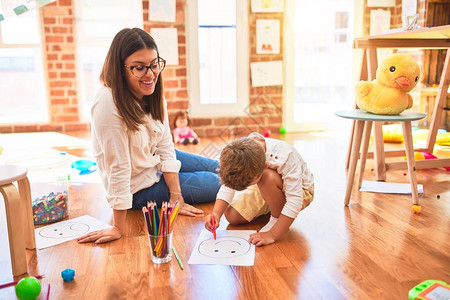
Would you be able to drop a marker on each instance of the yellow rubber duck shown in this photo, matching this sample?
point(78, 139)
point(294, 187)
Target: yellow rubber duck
point(388, 93)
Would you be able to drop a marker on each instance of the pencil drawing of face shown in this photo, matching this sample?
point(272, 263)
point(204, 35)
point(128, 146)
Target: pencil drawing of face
point(224, 247)
point(64, 230)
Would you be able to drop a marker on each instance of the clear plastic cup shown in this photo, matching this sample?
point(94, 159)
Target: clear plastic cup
point(160, 248)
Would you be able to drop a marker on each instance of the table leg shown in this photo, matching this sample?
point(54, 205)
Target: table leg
point(407, 133)
point(353, 159)
point(365, 148)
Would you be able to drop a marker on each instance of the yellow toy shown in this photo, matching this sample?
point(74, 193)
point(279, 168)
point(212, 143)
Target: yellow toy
point(388, 93)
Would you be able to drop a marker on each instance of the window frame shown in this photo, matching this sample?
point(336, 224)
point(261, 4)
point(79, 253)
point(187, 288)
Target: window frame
point(197, 109)
point(40, 46)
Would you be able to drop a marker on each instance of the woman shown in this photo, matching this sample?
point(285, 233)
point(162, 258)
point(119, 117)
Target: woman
point(132, 141)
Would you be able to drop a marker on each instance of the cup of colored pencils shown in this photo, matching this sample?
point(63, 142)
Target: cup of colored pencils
point(159, 227)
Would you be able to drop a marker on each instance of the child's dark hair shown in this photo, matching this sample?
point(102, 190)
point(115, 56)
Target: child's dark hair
point(241, 162)
point(181, 114)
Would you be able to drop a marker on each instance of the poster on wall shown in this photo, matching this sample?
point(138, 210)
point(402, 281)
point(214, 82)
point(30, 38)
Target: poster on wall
point(10, 9)
point(162, 11)
point(167, 41)
point(267, 36)
point(267, 6)
point(380, 3)
point(267, 73)
point(380, 21)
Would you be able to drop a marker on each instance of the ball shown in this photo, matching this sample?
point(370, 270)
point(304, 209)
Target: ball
point(28, 288)
point(282, 130)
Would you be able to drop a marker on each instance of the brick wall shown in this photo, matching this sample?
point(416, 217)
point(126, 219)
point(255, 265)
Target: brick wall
point(266, 103)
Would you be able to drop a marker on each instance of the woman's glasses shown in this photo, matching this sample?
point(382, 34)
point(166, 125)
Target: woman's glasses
point(140, 70)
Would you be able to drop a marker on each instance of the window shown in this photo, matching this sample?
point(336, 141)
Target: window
point(318, 56)
point(22, 81)
point(217, 44)
point(97, 22)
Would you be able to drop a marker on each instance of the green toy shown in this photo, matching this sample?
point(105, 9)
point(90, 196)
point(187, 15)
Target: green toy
point(282, 130)
point(430, 290)
point(28, 288)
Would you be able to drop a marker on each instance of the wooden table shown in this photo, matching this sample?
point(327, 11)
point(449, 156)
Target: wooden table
point(423, 38)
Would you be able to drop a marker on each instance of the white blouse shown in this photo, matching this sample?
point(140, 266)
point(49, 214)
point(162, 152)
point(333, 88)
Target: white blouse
point(129, 161)
point(294, 172)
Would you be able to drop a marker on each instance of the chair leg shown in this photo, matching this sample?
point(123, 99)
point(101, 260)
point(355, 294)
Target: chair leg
point(353, 160)
point(25, 195)
point(407, 133)
point(15, 233)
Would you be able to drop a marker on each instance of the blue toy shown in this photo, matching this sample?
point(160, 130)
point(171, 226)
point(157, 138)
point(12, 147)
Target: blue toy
point(68, 274)
point(84, 166)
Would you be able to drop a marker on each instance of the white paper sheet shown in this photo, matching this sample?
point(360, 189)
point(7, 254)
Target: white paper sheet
point(162, 11)
point(230, 248)
point(267, 73)
point(167, 41)
point(388, 187)
point(267, 36)
point(65, 231)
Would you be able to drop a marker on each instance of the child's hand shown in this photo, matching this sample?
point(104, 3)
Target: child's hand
point(101, 236)
point(208, 221)
point(261, 238)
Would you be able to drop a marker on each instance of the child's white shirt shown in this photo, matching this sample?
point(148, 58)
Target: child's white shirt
point(294, 172)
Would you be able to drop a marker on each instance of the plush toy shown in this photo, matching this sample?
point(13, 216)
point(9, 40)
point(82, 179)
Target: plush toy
point(388, 93)
point(183, 134)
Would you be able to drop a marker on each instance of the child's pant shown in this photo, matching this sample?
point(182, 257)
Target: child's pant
point(250, 204)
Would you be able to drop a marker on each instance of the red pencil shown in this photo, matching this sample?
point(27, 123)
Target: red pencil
point(213, 221)
point(16, 281)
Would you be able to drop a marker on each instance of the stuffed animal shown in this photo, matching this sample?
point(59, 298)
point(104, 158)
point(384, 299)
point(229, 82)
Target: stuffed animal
point(388, 93)
point(183, 134)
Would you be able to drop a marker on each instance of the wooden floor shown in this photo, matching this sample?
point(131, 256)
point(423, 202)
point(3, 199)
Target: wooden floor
point(373, 249)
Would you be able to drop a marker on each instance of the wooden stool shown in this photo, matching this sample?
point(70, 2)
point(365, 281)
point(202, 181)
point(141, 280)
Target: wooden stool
point(364, 123)
point(19, 215)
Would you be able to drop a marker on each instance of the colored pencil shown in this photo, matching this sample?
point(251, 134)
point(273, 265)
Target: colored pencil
point(177, 257)
point(213, 221)
point(48, 292)
point(17, 281)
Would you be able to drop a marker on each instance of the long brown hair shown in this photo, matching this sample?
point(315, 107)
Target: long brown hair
point(125, 43)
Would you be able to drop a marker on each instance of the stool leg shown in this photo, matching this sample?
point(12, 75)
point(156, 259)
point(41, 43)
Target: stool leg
point(25, 195)
point(15, 234)
point(350, 144)
point(353, 160)
point(365, 148)
point(407, 133)
point(379, 157)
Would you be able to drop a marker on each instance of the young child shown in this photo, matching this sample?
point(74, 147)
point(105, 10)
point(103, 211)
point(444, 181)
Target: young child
point(272, 176)
point(183, 134)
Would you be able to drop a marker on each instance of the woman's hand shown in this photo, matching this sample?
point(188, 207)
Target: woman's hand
point(189, 210)
point(185, 209)
point(101, 236)
point(208, 221)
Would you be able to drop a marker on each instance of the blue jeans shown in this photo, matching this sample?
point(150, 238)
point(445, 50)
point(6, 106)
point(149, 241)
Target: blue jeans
point(199, 182)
